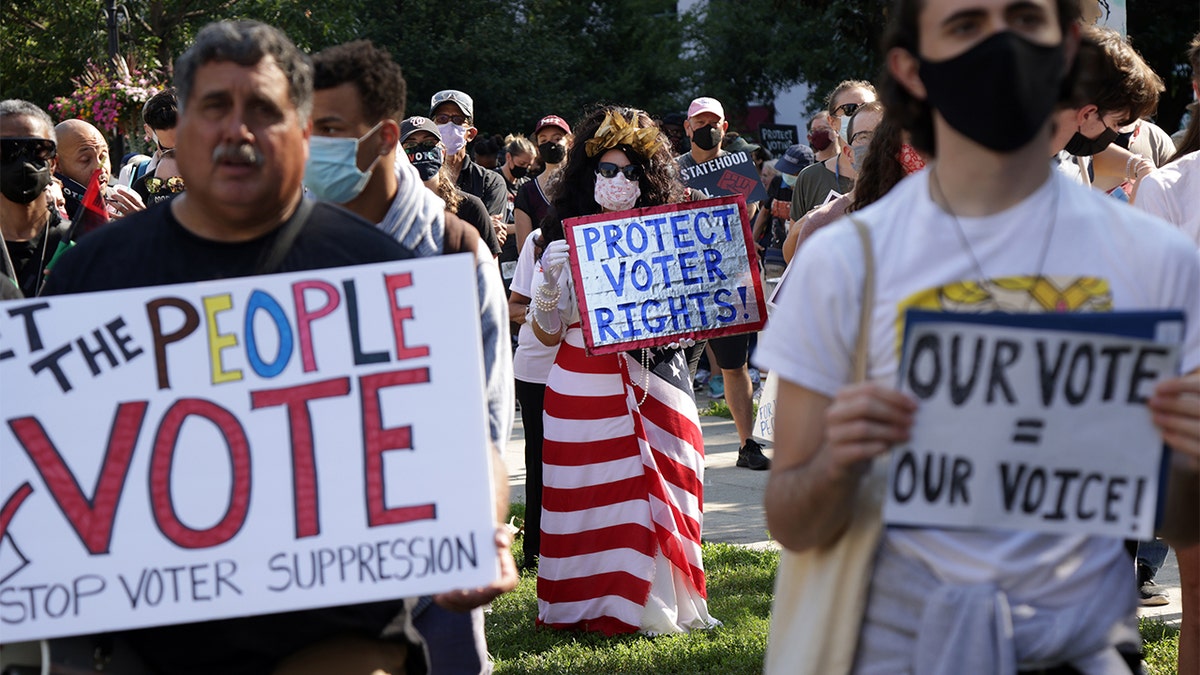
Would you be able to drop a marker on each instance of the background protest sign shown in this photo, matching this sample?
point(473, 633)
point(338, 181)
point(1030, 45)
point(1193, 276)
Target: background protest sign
point(729, 174)
point(244, 446)
point(650, 276)
point(1033, 421)
point(777, 137)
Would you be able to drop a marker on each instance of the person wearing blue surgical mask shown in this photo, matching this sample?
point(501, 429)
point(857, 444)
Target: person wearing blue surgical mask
point(332, 172)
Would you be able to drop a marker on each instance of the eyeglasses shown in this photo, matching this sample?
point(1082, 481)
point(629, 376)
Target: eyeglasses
point(846, 109)
point(13, 149)
point(442, 118)
point(862, 137)
point(157, 185)
point(610, 170)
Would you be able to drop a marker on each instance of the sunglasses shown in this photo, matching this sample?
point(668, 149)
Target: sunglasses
point(610, 170)
point(846, 109)
point(413, 146)
point(442, 118)
point(14, 149)
point(157, 185)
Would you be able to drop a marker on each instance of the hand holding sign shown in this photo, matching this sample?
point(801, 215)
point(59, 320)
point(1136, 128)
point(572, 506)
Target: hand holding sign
point(554, 259)
point(1175, 410)
point(863, 421)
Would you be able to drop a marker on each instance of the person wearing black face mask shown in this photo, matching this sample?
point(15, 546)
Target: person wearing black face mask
point(32, 229)
point(987, 226)
point(1113, 87)
point(552, 135)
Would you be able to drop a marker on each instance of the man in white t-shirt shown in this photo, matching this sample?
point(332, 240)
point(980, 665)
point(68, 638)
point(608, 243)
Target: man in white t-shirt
point(986, 227)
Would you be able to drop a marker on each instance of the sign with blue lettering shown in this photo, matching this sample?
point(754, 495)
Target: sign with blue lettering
point(647, 277)
point(1033, 421)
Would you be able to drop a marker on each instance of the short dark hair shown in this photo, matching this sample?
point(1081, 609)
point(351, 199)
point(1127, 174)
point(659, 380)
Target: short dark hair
point(246, 43)
point(903, 31)
point(377, 77)
point(1110, 74)
point(20, 108)
point(162, 110)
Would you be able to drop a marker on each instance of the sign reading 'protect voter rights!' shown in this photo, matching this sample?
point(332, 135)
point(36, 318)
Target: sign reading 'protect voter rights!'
point(1033, 421)
point(246, 446)
point(647, 277)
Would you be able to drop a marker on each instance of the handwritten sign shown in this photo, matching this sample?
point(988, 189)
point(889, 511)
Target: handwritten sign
point(1033, 422)
point(246, 446)
point(650, 276)
point(729, 174)
point(777, 138)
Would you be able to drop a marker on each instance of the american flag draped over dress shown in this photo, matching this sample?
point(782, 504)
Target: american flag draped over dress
point(623, 495)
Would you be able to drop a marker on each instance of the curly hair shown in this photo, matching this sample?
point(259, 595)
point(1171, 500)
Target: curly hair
point(375, 75)
point(447, 190)
point(902, 31)
point(573, 193)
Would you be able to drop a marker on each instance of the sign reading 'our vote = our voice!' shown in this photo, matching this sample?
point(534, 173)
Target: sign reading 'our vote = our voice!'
point(1033, 421)
point(650, 276)
point(245, 446)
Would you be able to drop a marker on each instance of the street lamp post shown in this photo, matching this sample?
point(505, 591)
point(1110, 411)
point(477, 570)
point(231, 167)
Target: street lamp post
point(110, 12)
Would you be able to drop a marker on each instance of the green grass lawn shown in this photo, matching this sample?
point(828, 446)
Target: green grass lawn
point(740, 582)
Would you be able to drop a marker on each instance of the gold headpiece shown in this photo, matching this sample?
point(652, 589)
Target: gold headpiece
point(615, 131)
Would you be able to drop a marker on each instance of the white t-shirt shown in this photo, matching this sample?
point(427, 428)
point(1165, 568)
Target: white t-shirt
point(1173, 194)
point(532, 360)
point(1103, 255)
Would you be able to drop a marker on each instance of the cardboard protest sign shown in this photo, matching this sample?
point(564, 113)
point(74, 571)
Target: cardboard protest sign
point(1033, 421)
point(650, 276)
point(729, 174)
point(777, 138)
point(243, 446)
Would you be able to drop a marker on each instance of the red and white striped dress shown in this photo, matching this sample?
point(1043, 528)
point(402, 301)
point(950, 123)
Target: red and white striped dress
point(622, 503)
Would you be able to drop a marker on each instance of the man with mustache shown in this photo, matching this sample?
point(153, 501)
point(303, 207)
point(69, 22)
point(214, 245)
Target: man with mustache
point(246, 94)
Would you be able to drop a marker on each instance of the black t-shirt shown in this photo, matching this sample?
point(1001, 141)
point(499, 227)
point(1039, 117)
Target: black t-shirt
point(151, 248)
point(532, 201)
point(485, 184)
point(472, 210)
point(29, 258)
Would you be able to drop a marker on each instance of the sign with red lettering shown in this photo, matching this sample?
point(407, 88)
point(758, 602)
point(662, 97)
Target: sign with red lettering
point(650, 276)
point(244, 446)
point(1033, 422)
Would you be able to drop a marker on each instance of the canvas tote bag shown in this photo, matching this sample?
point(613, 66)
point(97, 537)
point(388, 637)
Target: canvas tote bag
point(820, 594)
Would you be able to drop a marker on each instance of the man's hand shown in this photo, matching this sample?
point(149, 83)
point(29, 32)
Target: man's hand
point(467, 599)
point(500, 228)
point(122, 201)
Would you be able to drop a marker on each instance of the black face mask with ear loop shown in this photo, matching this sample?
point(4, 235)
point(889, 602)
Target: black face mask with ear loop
point(998, 93)
point(707, 137)
point(1082, 146)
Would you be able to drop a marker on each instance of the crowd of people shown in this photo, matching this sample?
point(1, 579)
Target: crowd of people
point(1005, 160)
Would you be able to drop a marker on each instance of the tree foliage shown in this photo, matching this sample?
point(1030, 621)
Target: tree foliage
point(522, 59)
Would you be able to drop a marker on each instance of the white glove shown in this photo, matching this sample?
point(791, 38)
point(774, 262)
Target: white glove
point(554, 258)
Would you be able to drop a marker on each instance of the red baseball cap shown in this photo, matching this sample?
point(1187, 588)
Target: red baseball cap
point(552, 121)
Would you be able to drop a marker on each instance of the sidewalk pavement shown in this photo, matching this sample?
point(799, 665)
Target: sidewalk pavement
point(733, 509)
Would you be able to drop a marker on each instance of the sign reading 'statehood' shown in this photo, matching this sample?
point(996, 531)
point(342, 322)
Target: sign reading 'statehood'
point(245, 446)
